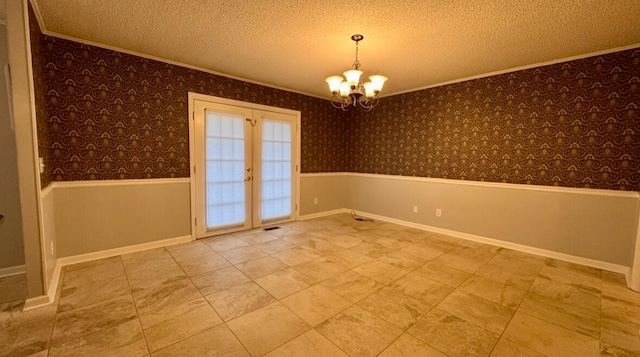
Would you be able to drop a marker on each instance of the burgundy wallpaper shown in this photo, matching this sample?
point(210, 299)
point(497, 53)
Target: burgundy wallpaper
point(117, 116)
point(110, 115)
point(574, 124)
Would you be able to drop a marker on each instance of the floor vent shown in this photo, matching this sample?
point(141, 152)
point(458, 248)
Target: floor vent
point(271, 228)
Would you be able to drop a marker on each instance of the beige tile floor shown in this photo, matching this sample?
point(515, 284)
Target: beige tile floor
point(330, 287)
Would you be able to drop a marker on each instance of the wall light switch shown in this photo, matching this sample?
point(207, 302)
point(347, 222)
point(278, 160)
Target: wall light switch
point(415, 209)
point(315, 201)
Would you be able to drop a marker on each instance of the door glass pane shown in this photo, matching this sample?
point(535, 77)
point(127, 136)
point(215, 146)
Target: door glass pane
point(224, 176)
point(276, 168)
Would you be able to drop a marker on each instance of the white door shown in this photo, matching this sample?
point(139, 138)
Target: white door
point(275, 167)
point(245, 167)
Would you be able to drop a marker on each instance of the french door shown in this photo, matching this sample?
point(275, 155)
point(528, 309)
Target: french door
point(245, 167)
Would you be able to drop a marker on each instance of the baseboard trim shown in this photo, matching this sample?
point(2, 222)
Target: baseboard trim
point(323, 214)
point(32, 303)
point(509, 245)
point(11, 271)
point(54, 283)
point(81, 258)
point(480, 239)
point(50, 297)
point(36, 302)
point(52, 290)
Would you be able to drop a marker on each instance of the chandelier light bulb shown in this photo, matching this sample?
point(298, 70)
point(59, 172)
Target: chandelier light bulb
point(368, 90)
point(377, 82)
point(344, 89)
point(353, 77)
point(334, 83)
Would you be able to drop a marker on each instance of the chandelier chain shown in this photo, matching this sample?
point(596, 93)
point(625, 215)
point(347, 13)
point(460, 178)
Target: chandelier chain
point(356, 63)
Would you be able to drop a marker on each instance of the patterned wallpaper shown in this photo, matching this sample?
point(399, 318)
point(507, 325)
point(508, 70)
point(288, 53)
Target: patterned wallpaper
point(574, 124)
point(111, 115)
point(37, 60)
point(117, 116)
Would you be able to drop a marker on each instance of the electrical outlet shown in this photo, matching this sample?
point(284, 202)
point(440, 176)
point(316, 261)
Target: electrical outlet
point(438, 212)
point(415, 209)
point(315, 201)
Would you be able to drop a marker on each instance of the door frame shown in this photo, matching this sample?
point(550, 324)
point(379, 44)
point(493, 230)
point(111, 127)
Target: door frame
point(192, 150)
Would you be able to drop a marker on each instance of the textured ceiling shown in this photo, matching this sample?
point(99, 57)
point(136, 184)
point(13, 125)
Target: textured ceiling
point(297, 44)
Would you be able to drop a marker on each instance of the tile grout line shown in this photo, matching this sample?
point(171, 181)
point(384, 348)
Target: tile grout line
point(55, 319)
point(456, 289)
point(135, 305)
point(480, 297)
point(600, 315)
point(276, 301)
point(385, 285)
point(528, 291)
point(434, 306)
point(553, 322)
point(206, 300)
point(209, 302)
point(518, 308)
point(293, 312)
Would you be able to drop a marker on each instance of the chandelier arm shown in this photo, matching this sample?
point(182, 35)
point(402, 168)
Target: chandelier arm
point(339, 102)
point(365, 107)
point(368, 104)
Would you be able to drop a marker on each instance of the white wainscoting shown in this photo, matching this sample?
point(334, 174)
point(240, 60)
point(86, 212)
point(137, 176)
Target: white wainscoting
point(597, 228)
point(323, 192)
point(96, 219)
point(89, 220)
point(93, 216)
point(49, 240)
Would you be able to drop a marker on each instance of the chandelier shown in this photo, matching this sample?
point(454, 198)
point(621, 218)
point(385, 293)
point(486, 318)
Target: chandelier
point(353, 91)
